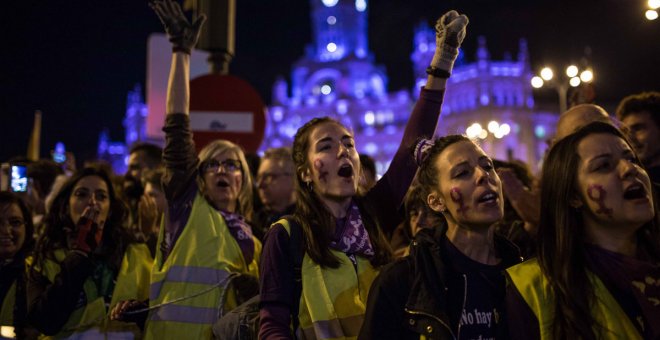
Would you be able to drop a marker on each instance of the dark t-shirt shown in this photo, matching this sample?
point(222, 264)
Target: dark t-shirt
point(475, 294)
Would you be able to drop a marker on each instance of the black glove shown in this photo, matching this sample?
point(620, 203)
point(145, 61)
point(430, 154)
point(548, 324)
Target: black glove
point(182, 34)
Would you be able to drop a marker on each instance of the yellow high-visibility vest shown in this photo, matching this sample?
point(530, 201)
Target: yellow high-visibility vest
point(91, 320)
point(333, 300)
point(535, 290)
point(195, 273)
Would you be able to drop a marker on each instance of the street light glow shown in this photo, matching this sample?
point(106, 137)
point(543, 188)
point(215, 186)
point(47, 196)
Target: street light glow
point(537, 82)
point(654, 4)
point(505, 129)
point(473, 131)
point(546, 73)
point(587, 76)
point(493, 126)
point(651, 14)
point(575, 82)
point(572, 70)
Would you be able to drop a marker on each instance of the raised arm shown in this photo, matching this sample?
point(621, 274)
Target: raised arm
point(179, 152)
point(450, 32)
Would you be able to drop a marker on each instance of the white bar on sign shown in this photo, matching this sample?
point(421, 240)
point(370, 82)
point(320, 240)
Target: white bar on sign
point(222, 121)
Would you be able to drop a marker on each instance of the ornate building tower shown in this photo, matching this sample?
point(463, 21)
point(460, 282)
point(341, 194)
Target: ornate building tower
point(337, 78)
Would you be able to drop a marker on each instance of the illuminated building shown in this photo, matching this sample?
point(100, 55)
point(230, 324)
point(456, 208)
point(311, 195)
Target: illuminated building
point(337, 78)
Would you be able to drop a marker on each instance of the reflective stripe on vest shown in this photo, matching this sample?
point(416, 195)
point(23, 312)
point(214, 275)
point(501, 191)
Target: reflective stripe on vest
point(333, 300)
point(335, 328)
point(187, 286)
point(535, 290)
point(189, 274)
point(177, 313)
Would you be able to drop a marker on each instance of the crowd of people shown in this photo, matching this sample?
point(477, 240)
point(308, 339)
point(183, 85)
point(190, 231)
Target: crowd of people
point(447, 244)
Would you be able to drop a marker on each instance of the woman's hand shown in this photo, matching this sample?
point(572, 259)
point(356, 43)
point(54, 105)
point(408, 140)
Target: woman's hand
point(89, 230)
point(182, 34)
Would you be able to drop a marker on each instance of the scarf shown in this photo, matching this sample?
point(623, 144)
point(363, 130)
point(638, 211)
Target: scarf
point(634, 278)
point(351, 237)
point(242, 233)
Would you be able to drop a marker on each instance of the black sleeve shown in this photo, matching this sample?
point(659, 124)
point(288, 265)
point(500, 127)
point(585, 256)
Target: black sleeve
point(50, 304)
point(276, 282)
point(385, 305)
point(520, 319)
point(179, 156)
point(388, 193)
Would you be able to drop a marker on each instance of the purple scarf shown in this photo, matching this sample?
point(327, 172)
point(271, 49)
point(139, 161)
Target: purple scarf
point(351, 237)
point(639, 278)
point(242, 233)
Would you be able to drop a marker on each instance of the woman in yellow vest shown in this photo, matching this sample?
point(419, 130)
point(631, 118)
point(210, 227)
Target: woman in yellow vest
point(85, 262)
point(597, 275)
point(205, 237)
point(16, 242)
point(345, 233)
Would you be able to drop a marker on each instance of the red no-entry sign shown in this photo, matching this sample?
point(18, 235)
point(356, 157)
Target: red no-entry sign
point(226, 107)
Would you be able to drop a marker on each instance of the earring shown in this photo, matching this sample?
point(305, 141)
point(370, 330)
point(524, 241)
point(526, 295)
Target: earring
point(309, 186)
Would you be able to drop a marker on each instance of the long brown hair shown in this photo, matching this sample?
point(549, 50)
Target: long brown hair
point(561, 237)
point(115, 236)
point(316, 221)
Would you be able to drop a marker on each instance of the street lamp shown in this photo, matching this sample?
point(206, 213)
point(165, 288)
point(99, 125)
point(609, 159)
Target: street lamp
point(498, 130)
point(573, 78)
point(652, 13)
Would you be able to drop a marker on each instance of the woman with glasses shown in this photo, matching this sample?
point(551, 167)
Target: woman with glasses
point(205, 237)
point(16, 242)
point(85, 261)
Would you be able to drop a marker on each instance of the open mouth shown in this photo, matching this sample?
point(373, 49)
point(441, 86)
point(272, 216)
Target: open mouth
point(635, 191)
point(222, 183)
point(345, 171)
point(488, 197)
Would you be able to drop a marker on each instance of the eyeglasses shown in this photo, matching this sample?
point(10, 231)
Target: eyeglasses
point(14, 222)
point(228, 165)
point(271, 176)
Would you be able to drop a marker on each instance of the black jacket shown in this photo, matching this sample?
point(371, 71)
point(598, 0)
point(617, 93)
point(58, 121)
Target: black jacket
point(409, 297)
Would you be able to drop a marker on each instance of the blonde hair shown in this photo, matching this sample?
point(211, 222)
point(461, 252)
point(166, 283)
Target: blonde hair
point(218, 147)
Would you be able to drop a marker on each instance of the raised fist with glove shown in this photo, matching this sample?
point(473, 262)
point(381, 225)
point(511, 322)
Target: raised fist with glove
point(182, 34)
point(449, 34)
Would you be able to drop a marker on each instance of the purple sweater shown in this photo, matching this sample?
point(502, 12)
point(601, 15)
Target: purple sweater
point(277, 278)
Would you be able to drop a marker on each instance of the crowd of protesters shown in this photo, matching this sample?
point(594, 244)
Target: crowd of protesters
point(447, 244)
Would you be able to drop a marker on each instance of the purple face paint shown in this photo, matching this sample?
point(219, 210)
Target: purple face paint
point(457, 197)
point(597, 194)
point(323, 175)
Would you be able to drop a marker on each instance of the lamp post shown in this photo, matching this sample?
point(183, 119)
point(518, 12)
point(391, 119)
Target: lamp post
point(562, 84)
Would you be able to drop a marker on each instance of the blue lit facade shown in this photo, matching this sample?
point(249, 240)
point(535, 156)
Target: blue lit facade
point(135, 126)
point(337, 78)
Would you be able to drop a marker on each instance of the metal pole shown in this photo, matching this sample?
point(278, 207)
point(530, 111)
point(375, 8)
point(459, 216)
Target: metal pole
point(562, 89)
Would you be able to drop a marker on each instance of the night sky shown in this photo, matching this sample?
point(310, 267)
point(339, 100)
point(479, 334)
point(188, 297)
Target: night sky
point(75, 60)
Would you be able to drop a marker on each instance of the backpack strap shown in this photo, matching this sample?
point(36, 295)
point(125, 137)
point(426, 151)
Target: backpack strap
point(295, 249)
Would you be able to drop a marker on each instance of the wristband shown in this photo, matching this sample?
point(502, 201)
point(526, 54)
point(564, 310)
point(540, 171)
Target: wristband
point(437, 72)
